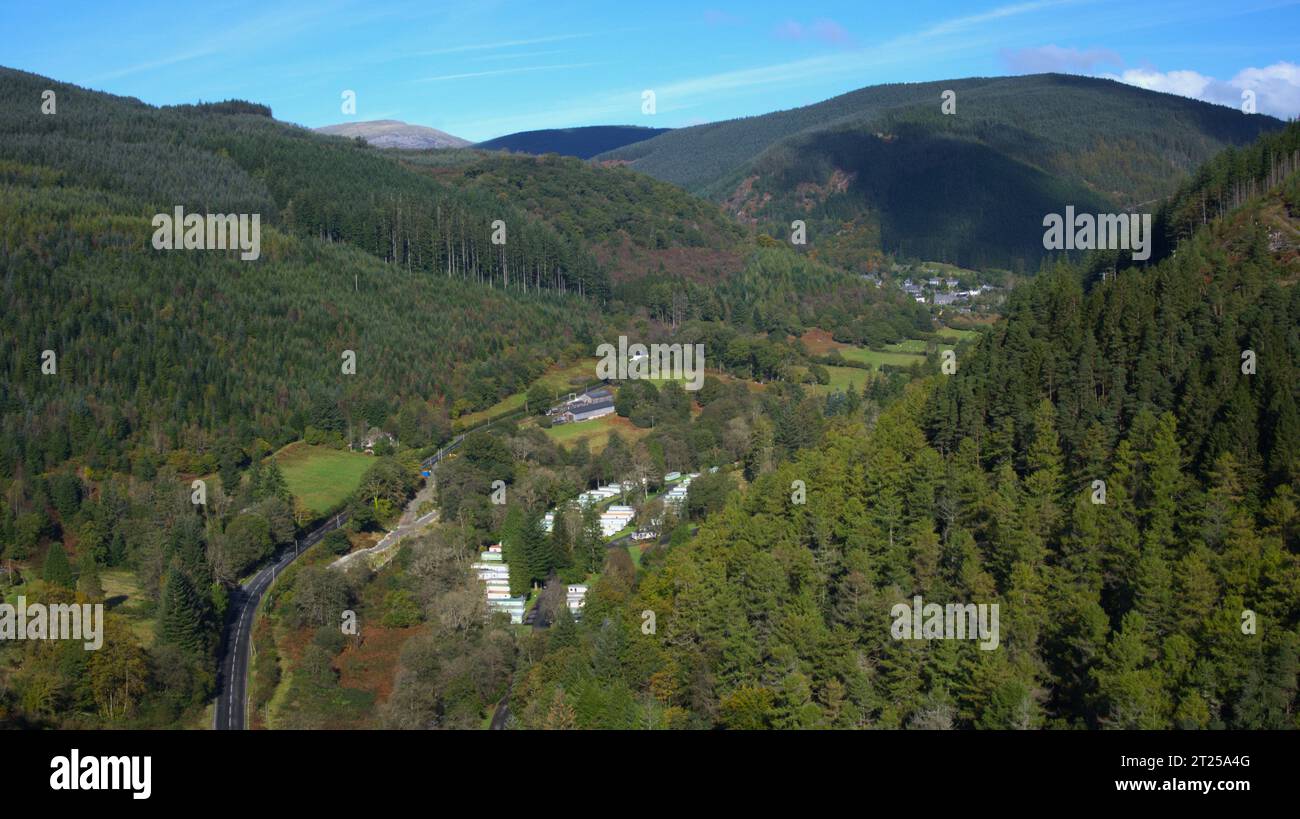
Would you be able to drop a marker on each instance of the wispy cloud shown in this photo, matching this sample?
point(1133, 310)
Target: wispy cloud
point(271, 27)
point(518, 55)
point(956, 25)
point(938, 38)
point(499, 71)
point(501, 45)
point(623, 105)
point(153, 65)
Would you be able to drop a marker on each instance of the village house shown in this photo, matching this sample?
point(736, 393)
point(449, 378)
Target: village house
point(596, 409)
point(371, 438)
point(574, 597)
point(595, 403)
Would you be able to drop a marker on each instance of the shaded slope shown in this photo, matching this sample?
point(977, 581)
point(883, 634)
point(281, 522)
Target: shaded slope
point(1101, 143)
point(583, 143)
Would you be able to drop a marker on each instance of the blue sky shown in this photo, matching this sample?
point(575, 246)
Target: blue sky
point(480, 69)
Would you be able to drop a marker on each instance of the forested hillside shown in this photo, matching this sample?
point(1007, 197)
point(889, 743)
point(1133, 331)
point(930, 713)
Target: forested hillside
point(1170, 599)
point(569, 226)
point(212, 159)
point(667, 252)
point(167, 357)
point(1230, 180)
point(884, 170)
point(128, 370)
point(633, 224)
point(160, 356)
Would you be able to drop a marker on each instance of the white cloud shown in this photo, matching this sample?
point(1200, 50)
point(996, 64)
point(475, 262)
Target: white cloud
point(1276, 87)
point(1182, 83)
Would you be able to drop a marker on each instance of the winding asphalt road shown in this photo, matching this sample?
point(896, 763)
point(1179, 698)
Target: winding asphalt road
point(232, 681)
point(232, 675)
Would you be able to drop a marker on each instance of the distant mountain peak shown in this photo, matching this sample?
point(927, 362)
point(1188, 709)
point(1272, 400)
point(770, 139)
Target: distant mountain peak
point(392, 133)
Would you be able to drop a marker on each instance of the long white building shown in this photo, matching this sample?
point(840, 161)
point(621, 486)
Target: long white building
point(492, 569)
point(615, 519)
point(575, 597)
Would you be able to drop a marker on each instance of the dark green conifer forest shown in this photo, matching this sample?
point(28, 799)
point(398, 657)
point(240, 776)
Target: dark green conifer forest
point(1175, 603)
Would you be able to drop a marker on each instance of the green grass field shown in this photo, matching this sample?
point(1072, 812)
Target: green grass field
point(559, 380)
point(319, 477)
point(841, 378)
point(927, 269)
point(508, 404)
point(911, 345)
point(725, 378)
point(568, 433)
point(876, 359)
point(917, 346)
point(596, 432)
point(122, 593)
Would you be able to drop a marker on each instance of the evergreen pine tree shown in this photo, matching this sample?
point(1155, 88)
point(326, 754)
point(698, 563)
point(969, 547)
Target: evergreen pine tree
point(762, 445)
point(1154, 594)
point(255, 479)
point(228, 459)
point(182, 614)
point(1163, 485)
point(592, 539)
point(512, 551)
point(273, 483)
point(88, 581)
point(1284, 453)
point(537, 549)
point(564, 631)
point(57, 571)
point(561, 547)
point(1044, 482)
